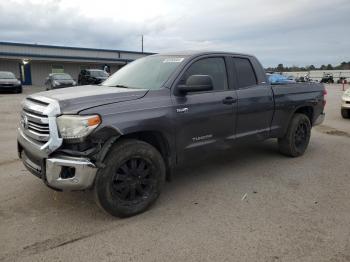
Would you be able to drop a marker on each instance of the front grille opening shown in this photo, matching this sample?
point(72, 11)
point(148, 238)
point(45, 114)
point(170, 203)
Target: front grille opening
point(67, 172)
point(35, 125)
point(33, 113)
point(38, 102)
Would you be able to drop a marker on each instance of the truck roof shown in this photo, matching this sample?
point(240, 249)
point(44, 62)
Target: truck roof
point(196, 53)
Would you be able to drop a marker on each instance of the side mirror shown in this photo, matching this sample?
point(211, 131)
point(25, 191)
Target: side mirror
point(196, 83)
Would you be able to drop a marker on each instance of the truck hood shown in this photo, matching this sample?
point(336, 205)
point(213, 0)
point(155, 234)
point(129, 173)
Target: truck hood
point(74, 99)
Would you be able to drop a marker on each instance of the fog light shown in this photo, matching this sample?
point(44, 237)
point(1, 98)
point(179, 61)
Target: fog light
point(67, 172)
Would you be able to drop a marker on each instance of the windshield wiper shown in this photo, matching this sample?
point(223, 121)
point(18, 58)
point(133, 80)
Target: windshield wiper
point(122, 86)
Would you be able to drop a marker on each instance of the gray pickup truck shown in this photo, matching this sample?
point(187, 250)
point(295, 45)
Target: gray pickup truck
point(125, 137)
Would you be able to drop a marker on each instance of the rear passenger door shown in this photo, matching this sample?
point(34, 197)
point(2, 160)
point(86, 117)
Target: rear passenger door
point(255, 105)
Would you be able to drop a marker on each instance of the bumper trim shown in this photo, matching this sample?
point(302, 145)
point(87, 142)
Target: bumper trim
point(84, 175)
point(320, 119)
point(35, 148)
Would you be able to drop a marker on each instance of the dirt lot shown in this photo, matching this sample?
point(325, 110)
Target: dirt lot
point(294, 209)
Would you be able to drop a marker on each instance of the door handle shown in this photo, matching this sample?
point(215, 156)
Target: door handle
point(229, 100)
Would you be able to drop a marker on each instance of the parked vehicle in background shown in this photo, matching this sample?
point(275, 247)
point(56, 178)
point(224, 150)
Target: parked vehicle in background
point(92, 76)
point(276, 79)
point(292, 78)
point(327, 78)
point(157, 113)
point(305, 78)
point(9, 82)
point(342, 80)
point(59, 80)
point(345, 106)
point(300, 79)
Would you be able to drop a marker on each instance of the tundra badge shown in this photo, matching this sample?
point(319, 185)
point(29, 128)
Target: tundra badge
point(182, 110)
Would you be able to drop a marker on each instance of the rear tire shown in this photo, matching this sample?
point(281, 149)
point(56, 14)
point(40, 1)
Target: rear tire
point(132, 179)
point(345, 113)
point(297, 138)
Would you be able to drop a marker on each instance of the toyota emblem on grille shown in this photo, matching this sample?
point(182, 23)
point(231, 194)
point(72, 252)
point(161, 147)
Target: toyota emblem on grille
point(24, 121)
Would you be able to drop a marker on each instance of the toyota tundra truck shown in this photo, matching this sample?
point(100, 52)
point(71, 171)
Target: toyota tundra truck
point(125, 137)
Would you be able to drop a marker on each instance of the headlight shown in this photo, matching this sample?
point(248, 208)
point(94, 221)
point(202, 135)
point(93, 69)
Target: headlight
point(55, 83)
point(73, 126)
point(74, 83)
point(18, 82)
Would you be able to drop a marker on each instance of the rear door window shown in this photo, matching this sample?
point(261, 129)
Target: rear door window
point(245, 72)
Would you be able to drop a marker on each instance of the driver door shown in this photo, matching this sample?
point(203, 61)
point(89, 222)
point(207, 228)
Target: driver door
point(205, 120)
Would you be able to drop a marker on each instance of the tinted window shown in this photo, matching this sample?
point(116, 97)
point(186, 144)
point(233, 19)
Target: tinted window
point(62, 77)
point(98, 73)
point(245, 72)
point(214, 67)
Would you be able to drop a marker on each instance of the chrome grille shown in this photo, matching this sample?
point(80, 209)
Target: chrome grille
point(38, 132)
point(34, 123)
point(36, 126)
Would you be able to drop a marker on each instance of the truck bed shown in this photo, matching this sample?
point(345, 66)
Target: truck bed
point(288, 97)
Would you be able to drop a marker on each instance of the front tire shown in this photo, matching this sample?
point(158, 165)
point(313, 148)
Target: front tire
point(297, 138)
point(345, 113)
point(131, 180)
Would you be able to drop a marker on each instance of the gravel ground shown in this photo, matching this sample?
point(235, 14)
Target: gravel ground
point(246, 204)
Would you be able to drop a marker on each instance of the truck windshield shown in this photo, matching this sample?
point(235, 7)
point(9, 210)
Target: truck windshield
point(146, 73)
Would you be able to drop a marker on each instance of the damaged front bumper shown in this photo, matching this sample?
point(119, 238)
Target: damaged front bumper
point(60, 172)
point(69, 173)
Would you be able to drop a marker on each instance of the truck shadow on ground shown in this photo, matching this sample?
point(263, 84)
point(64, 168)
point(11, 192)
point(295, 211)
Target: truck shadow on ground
point(222, 165)
point(225, 163)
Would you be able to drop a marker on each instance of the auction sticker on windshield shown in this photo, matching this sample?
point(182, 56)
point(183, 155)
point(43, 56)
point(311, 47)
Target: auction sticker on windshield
point(173, 60)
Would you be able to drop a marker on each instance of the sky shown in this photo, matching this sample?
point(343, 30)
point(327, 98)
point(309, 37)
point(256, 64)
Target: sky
point(297, 32)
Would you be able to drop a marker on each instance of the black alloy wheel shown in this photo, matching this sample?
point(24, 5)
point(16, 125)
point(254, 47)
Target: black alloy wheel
point(300, 135)
point(297, 137)
point(133, 181)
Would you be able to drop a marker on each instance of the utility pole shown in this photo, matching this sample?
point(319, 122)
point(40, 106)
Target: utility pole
point(142, 43)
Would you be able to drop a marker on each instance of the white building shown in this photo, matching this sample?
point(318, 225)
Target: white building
point(32, 63)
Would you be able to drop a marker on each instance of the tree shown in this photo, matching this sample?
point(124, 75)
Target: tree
point(344, 66)
point(329, 67)
point(280, 68)
point(294, 68)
